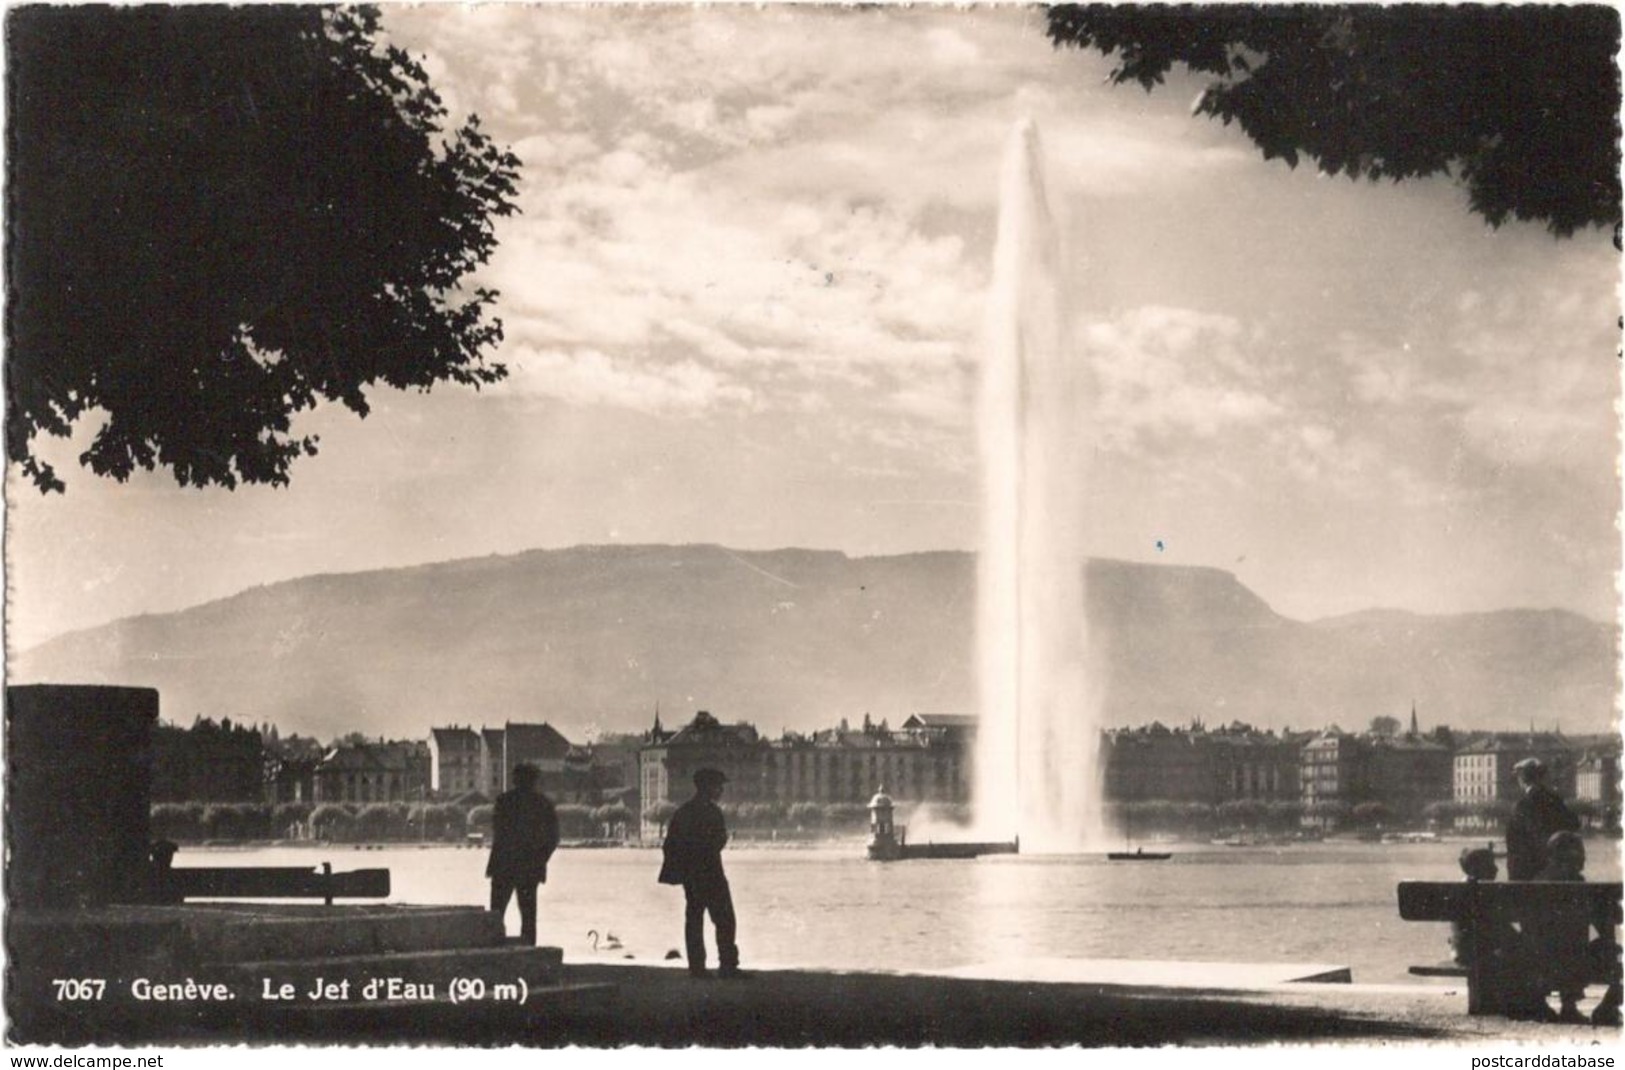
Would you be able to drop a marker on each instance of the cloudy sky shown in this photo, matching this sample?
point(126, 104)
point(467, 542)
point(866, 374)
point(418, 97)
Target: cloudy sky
point(743, 300)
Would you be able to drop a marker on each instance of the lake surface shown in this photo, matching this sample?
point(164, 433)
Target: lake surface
point(829, 907)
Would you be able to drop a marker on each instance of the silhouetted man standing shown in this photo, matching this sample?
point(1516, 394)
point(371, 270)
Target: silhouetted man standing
point(693, 858)
point(1540, 813)
point(524, 835)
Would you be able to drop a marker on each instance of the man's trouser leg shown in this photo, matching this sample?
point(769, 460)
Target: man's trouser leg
point(720, 902)
point(502, 890)
point(694, 926)
point(525, 892)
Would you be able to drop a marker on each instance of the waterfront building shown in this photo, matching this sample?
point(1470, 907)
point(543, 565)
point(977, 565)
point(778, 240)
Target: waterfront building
point(454, 761)
point(1247, 764)
point(374, 772)
point(290, 769)
point(464, 760)
point(666, 768)
point(1484, 786)
point(1482, 770)
point(1333, 777)
point(493, 774)
point(1341, 771)
point(1199, 765)
point(1596, 782)
point(950, 729)
point(208, 762)
point(1406, 773)
point(613, 768)
point(540, 745)
point(927, 760)
point(1596, 777)
point(1155, 762)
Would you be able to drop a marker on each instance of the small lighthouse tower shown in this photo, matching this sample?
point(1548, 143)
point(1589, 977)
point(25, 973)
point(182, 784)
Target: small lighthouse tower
point(883, 841)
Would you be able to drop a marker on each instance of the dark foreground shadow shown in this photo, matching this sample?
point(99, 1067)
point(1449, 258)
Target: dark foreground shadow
point(612, 1006)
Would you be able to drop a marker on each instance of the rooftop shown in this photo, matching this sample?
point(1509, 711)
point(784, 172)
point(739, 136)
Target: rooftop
point(536, 740)
point(941, 720)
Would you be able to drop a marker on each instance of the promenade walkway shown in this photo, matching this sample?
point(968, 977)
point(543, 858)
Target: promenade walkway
point(1022, 1002)
point(651, 1006)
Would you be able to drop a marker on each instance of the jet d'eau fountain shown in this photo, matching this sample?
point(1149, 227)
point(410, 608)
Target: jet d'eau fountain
point(1038, 739)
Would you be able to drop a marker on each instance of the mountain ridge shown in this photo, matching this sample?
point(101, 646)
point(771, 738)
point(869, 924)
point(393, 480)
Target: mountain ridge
point(798, 638)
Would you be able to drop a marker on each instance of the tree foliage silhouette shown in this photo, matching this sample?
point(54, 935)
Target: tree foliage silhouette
point(1520, 103)
point(220, 216)
point(1383, 725)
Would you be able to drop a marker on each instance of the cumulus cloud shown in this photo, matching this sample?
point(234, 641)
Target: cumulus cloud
point(1542, 377)
point(1526, 379)
point(678, 191)
point(635, 257)
point(1166, 372)
point(592, 377)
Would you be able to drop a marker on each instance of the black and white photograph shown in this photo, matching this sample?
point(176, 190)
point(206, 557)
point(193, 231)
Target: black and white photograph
point(807, 526)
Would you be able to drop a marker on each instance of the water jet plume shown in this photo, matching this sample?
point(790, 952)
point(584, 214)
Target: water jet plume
point(1038, 734)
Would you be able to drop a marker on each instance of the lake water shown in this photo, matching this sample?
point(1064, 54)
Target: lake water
point(829, 907)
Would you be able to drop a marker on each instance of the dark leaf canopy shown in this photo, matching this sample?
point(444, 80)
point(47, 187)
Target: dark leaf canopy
point(1520, 103)
point(219, 216)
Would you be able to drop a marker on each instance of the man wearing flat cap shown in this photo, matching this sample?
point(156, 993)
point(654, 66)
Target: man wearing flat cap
point(524, 835)
point(693, 858)
point(1537, 815)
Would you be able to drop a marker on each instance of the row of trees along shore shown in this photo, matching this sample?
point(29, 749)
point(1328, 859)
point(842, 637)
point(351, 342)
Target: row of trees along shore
point(452, 822)
point(1286, 815)
point(807, 819)
point(447, 822)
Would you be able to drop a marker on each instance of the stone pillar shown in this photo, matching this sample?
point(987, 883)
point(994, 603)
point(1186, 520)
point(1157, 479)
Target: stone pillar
point(78, 793)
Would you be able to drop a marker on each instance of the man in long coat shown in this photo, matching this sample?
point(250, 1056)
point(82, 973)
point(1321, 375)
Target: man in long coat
point(524, 835)
point(1540, 813)
point(693, 858)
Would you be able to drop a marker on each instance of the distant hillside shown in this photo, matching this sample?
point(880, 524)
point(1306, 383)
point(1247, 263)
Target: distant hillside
point(799, 639)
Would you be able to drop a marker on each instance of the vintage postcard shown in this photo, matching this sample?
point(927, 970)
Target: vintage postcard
point(802, 525)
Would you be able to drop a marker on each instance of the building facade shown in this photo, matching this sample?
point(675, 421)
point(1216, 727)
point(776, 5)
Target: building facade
point(666, 767)
point(1406, 773)
point(1154, 762)
point(1482, 769)
point(374, 773)
point(455, 765)
point(929, 759)
point(1484, 786)
point(1252, 765)
point(290, 769)
point(493, 774)
point(1333, 777)
point(544, 747)
point(208, 762)
point(613, 762)
point(1596, 783)
point(463, 760)
point(1199, 765)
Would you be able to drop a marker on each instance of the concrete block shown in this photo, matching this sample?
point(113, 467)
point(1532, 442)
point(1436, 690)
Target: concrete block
point(348, 933)
point(78, 794)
